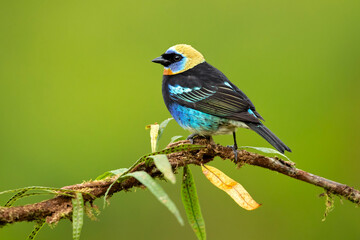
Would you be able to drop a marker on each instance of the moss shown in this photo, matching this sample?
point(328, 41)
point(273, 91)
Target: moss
point(329, 204)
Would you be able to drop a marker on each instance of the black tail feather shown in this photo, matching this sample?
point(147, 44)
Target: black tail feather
point(269, 136)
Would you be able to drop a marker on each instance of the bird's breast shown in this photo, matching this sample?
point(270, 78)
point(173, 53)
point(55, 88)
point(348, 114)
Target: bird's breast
point(199, 122)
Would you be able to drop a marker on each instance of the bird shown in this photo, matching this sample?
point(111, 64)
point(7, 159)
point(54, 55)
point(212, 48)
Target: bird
point(204, 101)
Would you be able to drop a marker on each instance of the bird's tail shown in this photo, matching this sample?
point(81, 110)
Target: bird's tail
point(269, 136)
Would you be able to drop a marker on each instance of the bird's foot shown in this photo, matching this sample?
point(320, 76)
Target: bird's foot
point(234, 148)
point(196, 135)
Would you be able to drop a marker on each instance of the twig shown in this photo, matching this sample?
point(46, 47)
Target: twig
point(60, 207)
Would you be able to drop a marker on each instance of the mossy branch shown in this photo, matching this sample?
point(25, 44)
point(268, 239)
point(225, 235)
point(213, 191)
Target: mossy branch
point(60, 207)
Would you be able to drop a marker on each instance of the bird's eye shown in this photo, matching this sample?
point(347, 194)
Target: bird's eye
point(177, 58)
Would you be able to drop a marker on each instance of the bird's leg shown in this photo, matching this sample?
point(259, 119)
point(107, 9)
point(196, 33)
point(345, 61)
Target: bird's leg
point(196, 135)
point(235, 147)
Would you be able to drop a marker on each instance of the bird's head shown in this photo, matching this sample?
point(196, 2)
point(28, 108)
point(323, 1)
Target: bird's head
point(179, 58)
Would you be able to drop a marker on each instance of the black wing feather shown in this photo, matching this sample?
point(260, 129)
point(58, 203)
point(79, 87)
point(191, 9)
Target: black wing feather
point(206, 89)
point(212, 93)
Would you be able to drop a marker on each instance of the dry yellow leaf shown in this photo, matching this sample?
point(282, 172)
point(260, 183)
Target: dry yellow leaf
point(154, 133)
point(231, 187)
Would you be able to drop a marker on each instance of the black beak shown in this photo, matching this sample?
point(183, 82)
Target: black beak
point(162, 61)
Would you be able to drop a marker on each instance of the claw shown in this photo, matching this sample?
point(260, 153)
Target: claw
point(234, 148)
point(191, 137)
point(235, 154)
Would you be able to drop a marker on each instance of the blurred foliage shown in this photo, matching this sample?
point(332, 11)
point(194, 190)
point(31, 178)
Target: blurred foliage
point(77, 86)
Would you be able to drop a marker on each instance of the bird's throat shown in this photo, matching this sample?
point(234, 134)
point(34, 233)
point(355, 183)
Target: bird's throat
point(167, 71)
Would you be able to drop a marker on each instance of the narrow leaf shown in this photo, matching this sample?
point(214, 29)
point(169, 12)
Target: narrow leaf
point(162, 163)
point(163, 126)
point(184, 147)
point(15, 198)
point(266, 151)
point(191, 203)
point(47, 189)
point(111, 173)
point(158, 192)
point(103, 176)
point(231, 187)
point(78, 215)
point(176, 138)
point(12, 200)
point(36, 229)
point(180, 148)
point(118, 172)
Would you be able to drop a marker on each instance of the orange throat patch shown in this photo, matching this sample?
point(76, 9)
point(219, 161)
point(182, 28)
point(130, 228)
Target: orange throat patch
point(167, 71)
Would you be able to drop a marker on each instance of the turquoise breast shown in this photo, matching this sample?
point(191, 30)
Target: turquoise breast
point(199, 122)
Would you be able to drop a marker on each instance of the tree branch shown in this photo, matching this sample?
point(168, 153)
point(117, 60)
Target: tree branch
point(60, 206)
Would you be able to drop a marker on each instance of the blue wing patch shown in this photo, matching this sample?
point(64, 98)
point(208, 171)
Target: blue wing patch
point(228, 84)
point(251, 112)
point(180, 90)
point(194, 94)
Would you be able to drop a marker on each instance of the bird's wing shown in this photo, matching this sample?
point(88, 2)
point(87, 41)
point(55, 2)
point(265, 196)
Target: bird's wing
point(221, 99)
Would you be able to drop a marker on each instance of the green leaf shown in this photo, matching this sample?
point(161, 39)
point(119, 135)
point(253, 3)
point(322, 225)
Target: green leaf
point(185, 147)
point(266, 151)
point(119, 172)
point(22, 192)
point(180, 148)
point(59, 191)
point(176, 138)
point(78, 215)
point(36, 229)
point(103, 176)
point(191, 203)
point(163, 126)
point(158, 192)
point(162, 163)
point(15, 198)
point(111, 173)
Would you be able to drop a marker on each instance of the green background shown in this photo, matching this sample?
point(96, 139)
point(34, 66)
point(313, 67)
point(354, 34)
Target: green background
point(77, 87)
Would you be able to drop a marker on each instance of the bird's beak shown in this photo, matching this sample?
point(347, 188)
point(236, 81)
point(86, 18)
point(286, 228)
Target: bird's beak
point(162, 61)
